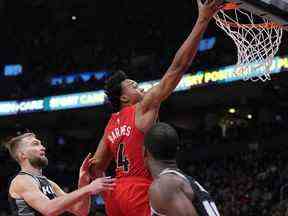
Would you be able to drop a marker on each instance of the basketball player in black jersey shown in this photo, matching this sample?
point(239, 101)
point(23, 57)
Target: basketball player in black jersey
point(172, 192)
point(30, 193)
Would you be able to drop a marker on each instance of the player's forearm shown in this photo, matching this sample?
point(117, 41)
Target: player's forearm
point(182, 60)
point(95, 170)
point(188, 50)
point(180, 64)
point(100, 165)
point(63, 203)
point(83, 206)
point(83, 181)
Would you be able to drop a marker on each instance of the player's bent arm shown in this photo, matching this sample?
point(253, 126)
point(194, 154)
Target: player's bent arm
point(82, 207)
point(28, 189)
point(101, 159)
point(180, 64)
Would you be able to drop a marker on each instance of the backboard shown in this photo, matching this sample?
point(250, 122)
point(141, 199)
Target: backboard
point(274, 10)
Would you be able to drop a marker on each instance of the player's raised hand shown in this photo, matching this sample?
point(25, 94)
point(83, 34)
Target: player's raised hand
point(84, 174)
point(102, 184)
point(207, 8)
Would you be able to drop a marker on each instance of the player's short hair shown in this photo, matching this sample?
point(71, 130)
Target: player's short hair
point(13, 144)
point(113, 89)
point(162, 142)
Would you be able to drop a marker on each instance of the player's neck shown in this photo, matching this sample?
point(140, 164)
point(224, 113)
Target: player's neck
point(125, 105)
point(27, 167)
point(156, 167)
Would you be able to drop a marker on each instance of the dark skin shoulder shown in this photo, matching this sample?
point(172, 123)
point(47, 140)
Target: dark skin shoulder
point(172, 195)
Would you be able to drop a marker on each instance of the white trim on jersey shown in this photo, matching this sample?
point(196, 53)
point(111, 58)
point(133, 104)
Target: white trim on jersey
point(168, 170)
point(154, 212)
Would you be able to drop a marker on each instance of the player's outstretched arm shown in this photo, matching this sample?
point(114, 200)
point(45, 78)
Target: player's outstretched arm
point(82, 207)
point(183, 57)
point(28, 189)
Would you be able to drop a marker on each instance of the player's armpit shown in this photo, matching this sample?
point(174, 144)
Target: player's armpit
point(144, 121)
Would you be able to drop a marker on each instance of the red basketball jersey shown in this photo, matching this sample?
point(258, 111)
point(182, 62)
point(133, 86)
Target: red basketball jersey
point(125, 140)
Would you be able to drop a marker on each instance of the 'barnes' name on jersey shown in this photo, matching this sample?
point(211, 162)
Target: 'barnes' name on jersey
point(119, 132)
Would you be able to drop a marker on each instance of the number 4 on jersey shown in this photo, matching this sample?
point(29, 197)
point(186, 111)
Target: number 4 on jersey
point(122, 161)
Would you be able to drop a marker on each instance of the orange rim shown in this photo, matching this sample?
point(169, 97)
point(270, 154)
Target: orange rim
point(234, 6)
point(268, 25)
point(231, 6)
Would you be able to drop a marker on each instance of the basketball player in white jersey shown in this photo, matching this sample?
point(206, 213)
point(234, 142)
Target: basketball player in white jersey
point(172, 192)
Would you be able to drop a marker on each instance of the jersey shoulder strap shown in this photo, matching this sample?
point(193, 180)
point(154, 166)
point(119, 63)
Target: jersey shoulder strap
point(175, 172)
point(33, 176)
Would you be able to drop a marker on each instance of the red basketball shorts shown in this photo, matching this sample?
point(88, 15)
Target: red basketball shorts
point(129, 198)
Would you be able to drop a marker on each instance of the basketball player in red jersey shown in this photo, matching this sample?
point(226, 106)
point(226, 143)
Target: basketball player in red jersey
point(135, 113)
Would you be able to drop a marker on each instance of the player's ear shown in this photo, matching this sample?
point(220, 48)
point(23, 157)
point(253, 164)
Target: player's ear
point(21, 154)
point(124, 99)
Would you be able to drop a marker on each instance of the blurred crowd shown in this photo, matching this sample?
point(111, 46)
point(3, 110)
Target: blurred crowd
point(246, 183)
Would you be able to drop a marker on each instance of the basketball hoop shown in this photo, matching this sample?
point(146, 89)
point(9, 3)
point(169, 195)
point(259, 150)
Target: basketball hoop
point(257, 40)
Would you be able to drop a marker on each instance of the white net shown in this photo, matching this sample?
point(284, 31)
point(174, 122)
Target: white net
point(257, 42)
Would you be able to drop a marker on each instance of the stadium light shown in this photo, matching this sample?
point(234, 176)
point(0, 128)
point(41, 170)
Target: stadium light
point(249, 116)
point(232, 110)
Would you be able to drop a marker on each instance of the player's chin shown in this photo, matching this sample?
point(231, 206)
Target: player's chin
point(45, 164)
point(44, 161)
